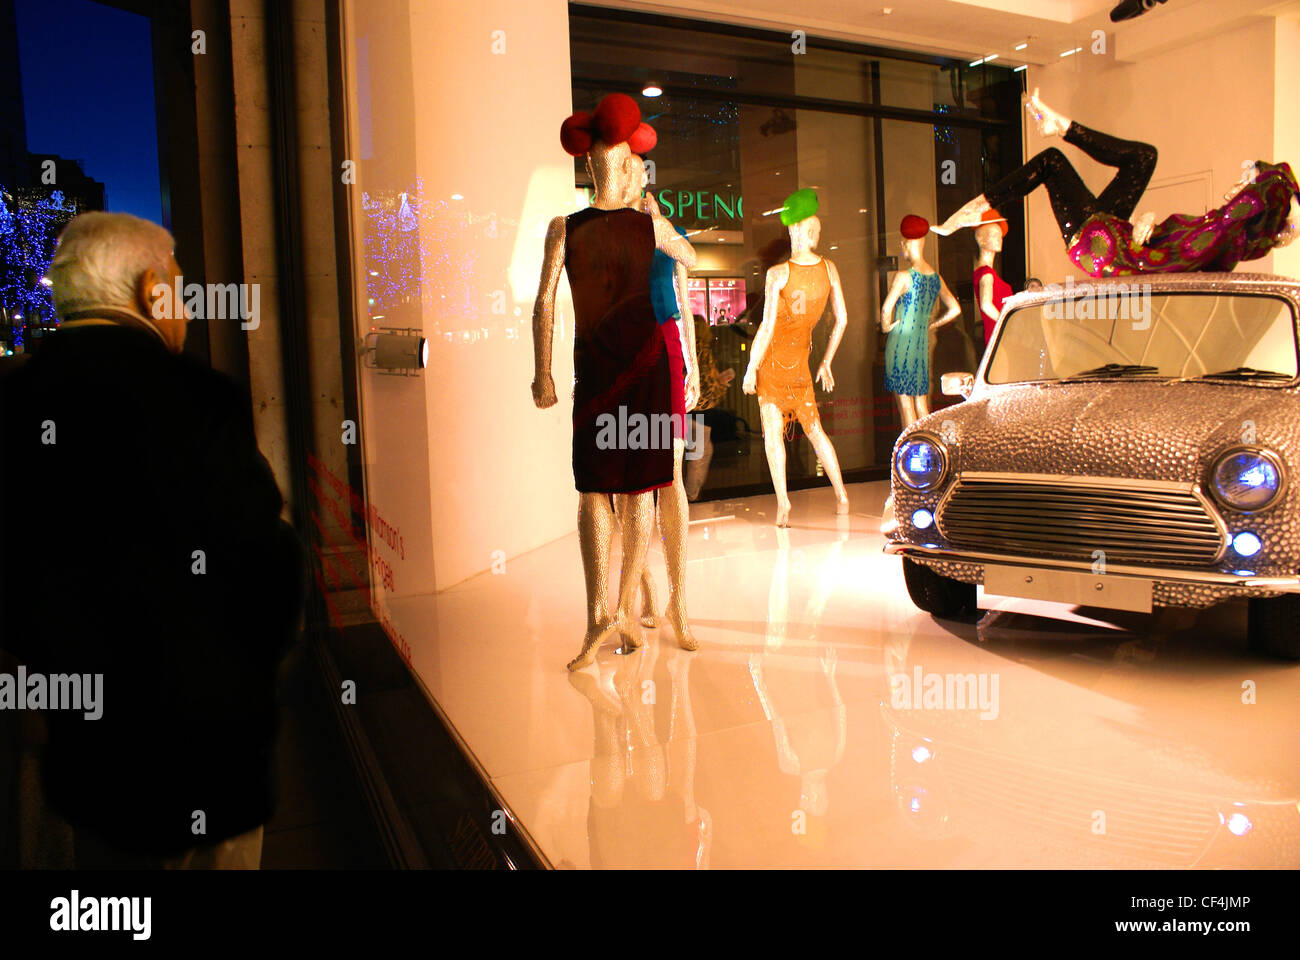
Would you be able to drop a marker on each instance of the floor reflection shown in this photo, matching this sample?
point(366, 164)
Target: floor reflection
point(827, 723)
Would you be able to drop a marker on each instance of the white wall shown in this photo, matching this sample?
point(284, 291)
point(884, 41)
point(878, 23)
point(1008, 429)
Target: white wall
point(1206, 106)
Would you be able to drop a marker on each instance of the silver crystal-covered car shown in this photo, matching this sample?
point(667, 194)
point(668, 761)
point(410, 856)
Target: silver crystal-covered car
point(1126, 444)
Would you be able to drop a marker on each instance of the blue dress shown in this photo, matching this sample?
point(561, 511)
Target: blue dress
point(907, 347)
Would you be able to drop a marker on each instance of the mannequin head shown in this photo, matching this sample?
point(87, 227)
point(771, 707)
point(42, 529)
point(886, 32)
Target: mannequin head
point(636, 185)
point(913, 230)
point(617, 172)
point(805, 235)
point(912, 249)
point(989, 237)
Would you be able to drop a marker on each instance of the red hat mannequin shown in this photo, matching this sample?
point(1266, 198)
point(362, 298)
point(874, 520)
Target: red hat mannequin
point(620, 367)
point(911, 335)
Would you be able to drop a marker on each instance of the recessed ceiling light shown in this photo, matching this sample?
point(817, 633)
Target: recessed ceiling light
point(1018, 69)
point(1021, 46)
point(1069, 53)
point(457, 196)
point(651, 90)
point(976, 63)
point(990, 58)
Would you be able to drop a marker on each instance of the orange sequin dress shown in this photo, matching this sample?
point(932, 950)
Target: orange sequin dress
point(783, 377)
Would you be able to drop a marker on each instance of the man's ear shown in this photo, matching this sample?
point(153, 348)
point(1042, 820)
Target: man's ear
point(148, 299)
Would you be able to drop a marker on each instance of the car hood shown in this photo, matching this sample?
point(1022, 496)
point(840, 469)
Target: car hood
point(1159, 430)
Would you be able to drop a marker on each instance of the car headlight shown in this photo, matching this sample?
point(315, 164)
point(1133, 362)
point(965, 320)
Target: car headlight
point(921, 462)
point(1247, 479)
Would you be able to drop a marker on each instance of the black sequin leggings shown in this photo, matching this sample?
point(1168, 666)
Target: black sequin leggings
point(1072, 202)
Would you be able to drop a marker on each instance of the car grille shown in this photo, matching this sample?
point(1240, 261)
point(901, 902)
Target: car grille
point(1071, 517)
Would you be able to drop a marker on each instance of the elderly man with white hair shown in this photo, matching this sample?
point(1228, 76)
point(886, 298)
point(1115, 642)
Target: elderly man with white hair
point(150, 558)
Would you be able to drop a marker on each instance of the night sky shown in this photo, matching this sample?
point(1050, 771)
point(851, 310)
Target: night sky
point(87, 75)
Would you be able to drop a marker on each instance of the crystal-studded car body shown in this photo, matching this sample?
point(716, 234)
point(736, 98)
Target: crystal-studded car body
point(1125, 444)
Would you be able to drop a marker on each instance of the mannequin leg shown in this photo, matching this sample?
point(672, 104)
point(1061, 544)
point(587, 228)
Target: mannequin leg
point(595, 530)
point(638, 520)
point(649, 600)
point(1135, 162)
point(774, 444)
point(698, 469)
point(825, 450)
point(922, 406)
point(1072, 201)
point(674, 522)
point(906, 409)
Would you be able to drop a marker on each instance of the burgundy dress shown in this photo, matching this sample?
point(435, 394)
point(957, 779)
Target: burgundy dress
point(622, 431)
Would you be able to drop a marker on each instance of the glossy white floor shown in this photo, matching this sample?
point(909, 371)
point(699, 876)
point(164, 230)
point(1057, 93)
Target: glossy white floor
point(1124, 741)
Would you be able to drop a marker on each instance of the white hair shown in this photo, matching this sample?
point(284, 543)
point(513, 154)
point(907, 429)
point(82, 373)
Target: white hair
point(100, 258)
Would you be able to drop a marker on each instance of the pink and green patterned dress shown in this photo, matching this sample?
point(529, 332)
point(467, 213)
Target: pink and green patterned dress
point(1244, 228)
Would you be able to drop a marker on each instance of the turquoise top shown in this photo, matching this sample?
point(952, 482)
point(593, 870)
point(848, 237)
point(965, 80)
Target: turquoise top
point(662, 292)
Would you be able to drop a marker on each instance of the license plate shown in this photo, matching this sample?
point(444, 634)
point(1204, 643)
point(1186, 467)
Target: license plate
point(1069, 586)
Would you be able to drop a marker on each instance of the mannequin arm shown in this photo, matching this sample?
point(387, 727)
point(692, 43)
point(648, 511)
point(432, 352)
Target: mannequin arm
point(986, 295)
point(949, 301)
point(837, 332)
point(773, 285)
point(1143, 227)
point(668, 239)
point(544, 315)
point(899, 287)
point(686, 328)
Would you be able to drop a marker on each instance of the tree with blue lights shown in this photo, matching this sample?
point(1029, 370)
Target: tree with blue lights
point(29, 230)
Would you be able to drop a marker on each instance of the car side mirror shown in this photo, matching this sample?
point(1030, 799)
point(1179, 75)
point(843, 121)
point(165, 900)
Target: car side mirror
point(957, 384)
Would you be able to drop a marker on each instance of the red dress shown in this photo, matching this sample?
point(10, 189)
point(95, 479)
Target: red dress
point(1001, 290)
point(621, 394)
point(670, 330)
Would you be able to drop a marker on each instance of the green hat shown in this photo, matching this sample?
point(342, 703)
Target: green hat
point(800, 205)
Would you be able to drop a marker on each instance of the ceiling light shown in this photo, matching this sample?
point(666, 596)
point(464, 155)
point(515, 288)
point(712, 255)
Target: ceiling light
point(990, 58)
point(976, 63)
point(651, 90)
point(1019, 68)
point(1021, 46)
point(1068, 53)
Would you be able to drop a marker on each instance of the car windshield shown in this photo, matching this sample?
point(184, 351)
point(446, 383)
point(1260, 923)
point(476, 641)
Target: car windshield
point(1091, 335)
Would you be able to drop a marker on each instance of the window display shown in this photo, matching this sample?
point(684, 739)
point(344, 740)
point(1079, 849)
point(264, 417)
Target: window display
point(741, 124)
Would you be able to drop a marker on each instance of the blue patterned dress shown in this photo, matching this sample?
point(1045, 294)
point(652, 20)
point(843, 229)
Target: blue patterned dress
point(907, 347)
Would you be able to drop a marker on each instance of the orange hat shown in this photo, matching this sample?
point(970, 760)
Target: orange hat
point(992, 216)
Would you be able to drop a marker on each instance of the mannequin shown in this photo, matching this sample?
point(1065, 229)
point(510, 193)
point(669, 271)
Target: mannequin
point(795, 296)
point(669, 285)
point(1261, 212)
point(990, 289)
point(911, 337)
point(620, 365)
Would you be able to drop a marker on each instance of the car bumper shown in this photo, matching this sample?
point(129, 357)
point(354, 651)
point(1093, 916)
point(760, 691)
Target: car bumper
point(1169, 586)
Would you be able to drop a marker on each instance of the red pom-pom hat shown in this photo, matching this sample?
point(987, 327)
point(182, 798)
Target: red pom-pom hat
point(616, 119)
point(914, 227)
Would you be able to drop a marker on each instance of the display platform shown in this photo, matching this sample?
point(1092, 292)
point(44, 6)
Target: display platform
point(826, 722)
